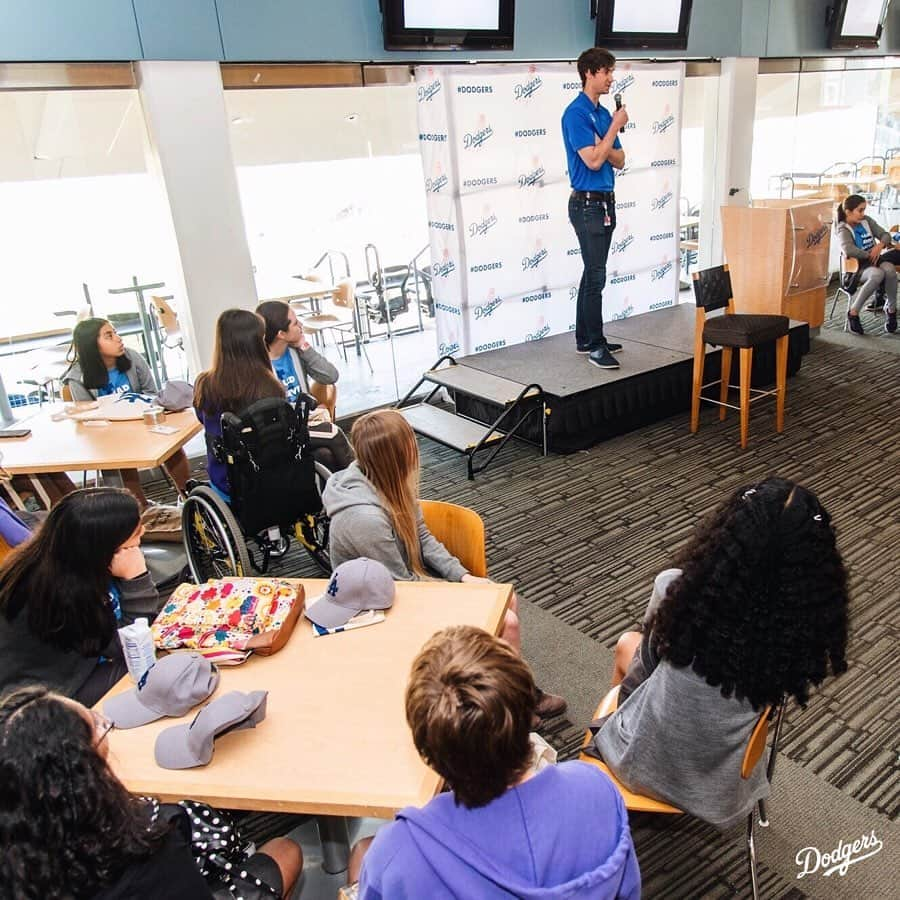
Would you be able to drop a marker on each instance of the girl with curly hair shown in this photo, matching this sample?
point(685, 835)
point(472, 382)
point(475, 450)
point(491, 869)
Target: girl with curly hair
point(754, 613)
point(70, 829)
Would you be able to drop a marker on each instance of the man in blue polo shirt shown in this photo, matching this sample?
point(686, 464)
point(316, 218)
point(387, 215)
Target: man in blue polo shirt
point(593, 150)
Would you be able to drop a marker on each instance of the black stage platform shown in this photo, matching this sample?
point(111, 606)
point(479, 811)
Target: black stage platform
point(588, 404)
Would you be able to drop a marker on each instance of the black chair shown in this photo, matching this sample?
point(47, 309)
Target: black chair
point(744, 331)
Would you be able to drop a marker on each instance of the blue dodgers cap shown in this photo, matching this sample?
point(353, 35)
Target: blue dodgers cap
point(355, 586)
point(172, 686)
point(186, 746)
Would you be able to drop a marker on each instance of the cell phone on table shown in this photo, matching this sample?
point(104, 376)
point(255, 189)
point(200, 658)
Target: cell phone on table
point(14, 432)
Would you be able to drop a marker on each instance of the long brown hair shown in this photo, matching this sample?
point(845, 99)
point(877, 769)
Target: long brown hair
point(241, 371)
point(388, 455)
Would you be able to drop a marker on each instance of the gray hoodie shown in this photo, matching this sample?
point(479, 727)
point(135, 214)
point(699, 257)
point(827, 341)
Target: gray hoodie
point(361, 526)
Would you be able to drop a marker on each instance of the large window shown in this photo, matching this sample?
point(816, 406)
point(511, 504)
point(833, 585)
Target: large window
point(79, 209)
point(334, 170)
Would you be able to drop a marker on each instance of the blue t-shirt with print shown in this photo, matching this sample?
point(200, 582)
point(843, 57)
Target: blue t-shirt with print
point(118, 383)
point(287, 375)
point(582, 124)
point(863, 237)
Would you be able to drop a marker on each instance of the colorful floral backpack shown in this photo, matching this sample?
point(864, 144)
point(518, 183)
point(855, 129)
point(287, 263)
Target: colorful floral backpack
point(242, 614)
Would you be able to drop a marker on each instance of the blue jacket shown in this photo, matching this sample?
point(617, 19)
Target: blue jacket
point(561, 834)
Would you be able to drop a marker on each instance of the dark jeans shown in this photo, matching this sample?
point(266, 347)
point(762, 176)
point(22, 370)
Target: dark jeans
point(335, 453)
point(588, 218)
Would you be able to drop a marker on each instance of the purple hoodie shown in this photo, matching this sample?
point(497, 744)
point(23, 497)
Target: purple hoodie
point(561, 834)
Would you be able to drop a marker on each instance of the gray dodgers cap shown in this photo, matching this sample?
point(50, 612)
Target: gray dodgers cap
point(185, 746)
point(355, 585)
point(172, 686)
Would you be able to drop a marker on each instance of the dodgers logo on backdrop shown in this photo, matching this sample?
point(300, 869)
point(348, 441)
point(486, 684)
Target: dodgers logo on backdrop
point(662, 236)
point(437, 225)
point(573, 293)
point(533, 260)
point(660, 304)
point(662, 125)
point(534, 217)
point(443, 268)
point(660, 271)
point(427, 92)
point(533, 298)
point(487, 181)
point(438, 180)
point(448, 308)
point(540, 332)
point(487, 308)
point(432, 137)
point(626, 311)
point(571, 85)
point(621, 279)
point(529, 88)
point(530, 132)
point(662, 200)
point(490, 345)
point(622, 83)
point(482, 227)
point(664, 82)
point(472, 140)
point(448, 349)
point(534, 176)
point(625, 240)
point(621, 173)
point(475, 89)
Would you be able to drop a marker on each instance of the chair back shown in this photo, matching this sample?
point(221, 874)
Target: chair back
point(712, 288)
point(5, 549)
point(460, 530)
point(325, 394)
point(343, 293)
point(757, 744)
point(165, 316)
point(66, 393)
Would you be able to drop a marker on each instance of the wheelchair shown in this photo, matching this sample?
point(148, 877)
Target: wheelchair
point(275, 490)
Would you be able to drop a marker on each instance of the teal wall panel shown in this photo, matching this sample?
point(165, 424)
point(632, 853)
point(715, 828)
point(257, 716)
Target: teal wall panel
point(179, 29)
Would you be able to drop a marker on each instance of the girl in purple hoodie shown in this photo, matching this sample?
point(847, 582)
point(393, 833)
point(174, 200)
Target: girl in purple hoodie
point(502, 831)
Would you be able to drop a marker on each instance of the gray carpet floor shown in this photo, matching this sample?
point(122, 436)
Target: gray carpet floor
point(582, 537)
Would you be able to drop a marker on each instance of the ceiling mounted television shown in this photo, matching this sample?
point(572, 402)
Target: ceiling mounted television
point(633, 25)
point(453, 25)
point(855, 23)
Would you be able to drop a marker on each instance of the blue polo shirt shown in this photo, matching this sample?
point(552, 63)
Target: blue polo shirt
point(287, 375)
point(582, 124)
point(117, 384)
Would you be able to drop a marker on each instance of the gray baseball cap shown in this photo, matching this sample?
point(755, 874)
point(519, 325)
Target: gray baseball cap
point(185, 746)
point(172, 686)
point(355, 585)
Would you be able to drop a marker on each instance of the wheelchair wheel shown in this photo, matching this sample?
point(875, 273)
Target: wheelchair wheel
point(213, 539)
point(312, 530)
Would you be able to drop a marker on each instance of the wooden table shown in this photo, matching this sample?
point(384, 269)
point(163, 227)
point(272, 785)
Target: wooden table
point(72, 446)
point(335, 739)
point(297, 289)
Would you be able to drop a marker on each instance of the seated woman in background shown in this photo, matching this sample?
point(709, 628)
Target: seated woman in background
point(295, 361)
point(373, 506)
point(241, 373)
point(756, 612)
point(71, 829)
point(862, 238)
point(104, 365)
point(504, 831)
point(66, 590)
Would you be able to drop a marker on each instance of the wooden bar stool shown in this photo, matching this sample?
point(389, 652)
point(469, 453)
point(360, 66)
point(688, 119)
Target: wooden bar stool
point(744, 331)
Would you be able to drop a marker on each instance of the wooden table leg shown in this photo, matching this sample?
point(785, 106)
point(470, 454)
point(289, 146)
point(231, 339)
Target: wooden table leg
point(781, 360)
point(746, 369)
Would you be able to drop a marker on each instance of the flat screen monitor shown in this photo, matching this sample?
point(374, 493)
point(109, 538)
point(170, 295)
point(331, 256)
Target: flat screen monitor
point(448, 24)
point(856, 23)
point(642, 25)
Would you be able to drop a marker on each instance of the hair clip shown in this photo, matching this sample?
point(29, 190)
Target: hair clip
point(747, 493)
point(817, 517)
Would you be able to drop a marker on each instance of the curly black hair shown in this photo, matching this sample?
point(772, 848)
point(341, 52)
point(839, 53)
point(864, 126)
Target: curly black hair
point(68, 826)
point(760, 608)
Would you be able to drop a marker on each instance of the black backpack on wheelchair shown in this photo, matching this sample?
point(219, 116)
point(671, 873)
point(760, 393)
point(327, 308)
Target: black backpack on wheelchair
point(271, 471)
point(274, 485)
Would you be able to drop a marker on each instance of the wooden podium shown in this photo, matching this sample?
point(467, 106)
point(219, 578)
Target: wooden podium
point(777, 254)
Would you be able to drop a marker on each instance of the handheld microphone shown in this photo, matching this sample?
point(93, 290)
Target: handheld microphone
point(618, 99)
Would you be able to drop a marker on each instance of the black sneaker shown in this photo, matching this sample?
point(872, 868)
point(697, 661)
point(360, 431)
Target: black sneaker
point(890, 322)
point(583, 349)
point(854, 324)
point(613, 348)
point(878, 302)
point(603, 359)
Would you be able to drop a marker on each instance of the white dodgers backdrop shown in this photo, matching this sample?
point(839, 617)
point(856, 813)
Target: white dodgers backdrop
point(505, 260)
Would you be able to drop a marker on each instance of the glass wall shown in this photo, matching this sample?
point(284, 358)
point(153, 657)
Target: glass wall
point(81, 215)
point(324, 174)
